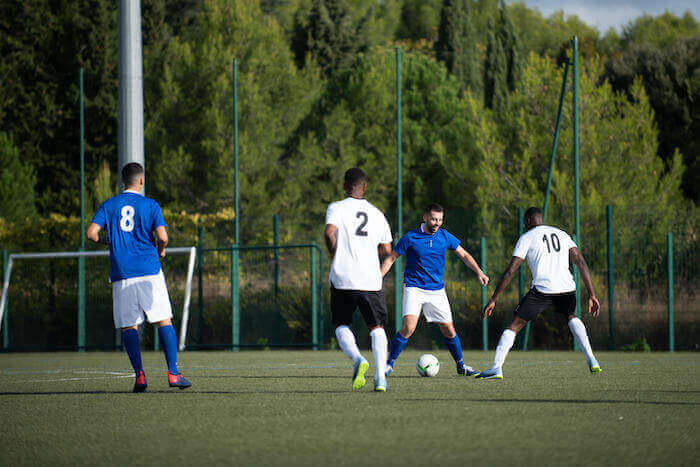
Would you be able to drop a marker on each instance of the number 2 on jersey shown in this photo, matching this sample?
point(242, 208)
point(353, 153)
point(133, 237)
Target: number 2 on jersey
point(555, 242)
point(126, 222)
point(359, 232)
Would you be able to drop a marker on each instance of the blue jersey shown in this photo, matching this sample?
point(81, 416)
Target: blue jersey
point(130, 220)
point(425, 257)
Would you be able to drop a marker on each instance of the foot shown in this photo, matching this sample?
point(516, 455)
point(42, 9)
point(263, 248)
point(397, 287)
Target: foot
point(594, 366)
point(389, 368)
point(465, 370)
point(358, 374)
point(379, 384)
point(178, 381)
point(491, 373)
point(140, 385)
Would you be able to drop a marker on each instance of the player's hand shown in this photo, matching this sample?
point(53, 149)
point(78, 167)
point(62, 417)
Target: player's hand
point(593, 306)
point(162, 253)
point(488, 309)
point(484, 279)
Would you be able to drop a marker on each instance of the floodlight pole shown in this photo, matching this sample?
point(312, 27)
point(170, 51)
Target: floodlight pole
point(577, 192)
point(398, 269)
point(81, 260)
point(235, 299)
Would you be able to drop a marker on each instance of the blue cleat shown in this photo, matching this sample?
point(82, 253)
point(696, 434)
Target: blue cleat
point(358, 374)
point(594, 366)
point(178, 381)
point(389, 368)
point(465, 370)
point(491, 373)
point(379, 384)
point(140, 385)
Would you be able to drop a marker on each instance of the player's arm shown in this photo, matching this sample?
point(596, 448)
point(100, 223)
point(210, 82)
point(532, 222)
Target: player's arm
point(161, 240)
point(331, 239)
point(472, 264)
point(94, 232)
point(503, 282)
point(389, 261)
point(576, 258)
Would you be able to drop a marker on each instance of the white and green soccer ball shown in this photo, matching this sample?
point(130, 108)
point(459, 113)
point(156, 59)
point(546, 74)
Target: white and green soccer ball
point(428, 365)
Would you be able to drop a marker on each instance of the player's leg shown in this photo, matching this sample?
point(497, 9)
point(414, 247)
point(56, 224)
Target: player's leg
point(412, 304)
point(566, 304)
point(155, 301)
point(454, 345)
point(127, 317)
point(343, 304)
point(372, 306)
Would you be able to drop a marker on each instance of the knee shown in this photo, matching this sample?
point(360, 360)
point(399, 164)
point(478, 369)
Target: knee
point(407, 330)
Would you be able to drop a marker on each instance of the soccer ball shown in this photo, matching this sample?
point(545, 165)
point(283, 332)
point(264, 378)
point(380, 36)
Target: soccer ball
point(428, 365)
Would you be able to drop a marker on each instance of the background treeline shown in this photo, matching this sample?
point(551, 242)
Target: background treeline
point(316, 85)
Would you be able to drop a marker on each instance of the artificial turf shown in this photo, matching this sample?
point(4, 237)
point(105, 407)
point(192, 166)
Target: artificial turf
point(297, 408)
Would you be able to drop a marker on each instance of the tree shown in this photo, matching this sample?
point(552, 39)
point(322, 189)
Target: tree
point(15, 178)
point(503, 63)
point(419, 19)
point(457, 43)
point(661, 31)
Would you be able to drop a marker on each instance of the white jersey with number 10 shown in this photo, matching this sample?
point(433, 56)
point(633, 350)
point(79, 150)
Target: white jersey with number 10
point(546, 250)
point(361, 228)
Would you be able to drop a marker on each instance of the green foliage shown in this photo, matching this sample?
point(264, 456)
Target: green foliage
point(15, 178)
point(660, 31)
point(420, 19)
point(457, 43)
point(640, 345)
point(502, 67)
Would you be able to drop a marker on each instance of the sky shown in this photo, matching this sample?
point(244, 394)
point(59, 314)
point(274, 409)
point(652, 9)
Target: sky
point(604, 14)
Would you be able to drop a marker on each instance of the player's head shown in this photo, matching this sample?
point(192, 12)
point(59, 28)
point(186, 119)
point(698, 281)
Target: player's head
point(433, 216)
point(355, 182)
point(132, 176)
point(532, 218)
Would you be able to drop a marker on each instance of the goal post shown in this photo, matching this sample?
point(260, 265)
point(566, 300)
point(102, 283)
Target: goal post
point(16, 257)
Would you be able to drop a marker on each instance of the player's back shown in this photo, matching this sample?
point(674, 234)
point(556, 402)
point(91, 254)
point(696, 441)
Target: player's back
point(130, 219)
point(546, 250)
point(361, 228)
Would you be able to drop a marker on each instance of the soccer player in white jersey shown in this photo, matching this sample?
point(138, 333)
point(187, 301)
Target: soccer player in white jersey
point(548, 251)
point(356, 235)
point(424, 286)
point(138, 285)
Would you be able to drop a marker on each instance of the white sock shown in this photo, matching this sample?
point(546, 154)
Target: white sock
point(380, 349)
point(346, 341)
point(504, 345)
point(579, 332)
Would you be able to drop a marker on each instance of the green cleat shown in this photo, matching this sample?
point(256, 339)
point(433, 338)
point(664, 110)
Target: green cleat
point(595, 367)
point(358, 376)
point(491, 373)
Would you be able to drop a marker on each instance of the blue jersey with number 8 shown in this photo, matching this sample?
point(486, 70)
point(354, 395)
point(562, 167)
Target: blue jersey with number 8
point(130, 220)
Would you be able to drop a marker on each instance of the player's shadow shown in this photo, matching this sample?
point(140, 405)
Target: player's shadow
point(271, 377)
point(547, 401)
point(161, 392)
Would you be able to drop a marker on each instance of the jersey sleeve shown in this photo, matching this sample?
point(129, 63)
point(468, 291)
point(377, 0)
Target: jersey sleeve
point(452, 241)
point(332, 215)
point(522, 246)
point(386, 232)
point(157, 216)
point(100, 217)
point(402, 245)
point(569, 242)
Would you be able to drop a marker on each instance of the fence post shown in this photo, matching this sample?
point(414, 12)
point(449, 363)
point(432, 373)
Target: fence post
point(81, 259)
point(5, 330)
point(314, 297)
point(235, 301)
point(611, 281)
point(200, 292)
point(521, 280)
point(578, 291)
point(485, 322)
point(276, 236)
point(398, 265)
point(669, 248)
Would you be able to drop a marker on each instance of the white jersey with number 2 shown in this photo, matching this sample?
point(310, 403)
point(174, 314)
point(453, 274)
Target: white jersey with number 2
point(361, 228)
point(546, 250)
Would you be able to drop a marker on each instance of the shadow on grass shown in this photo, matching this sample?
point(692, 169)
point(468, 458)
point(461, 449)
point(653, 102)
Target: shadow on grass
point(64, 393)
point(546, 401)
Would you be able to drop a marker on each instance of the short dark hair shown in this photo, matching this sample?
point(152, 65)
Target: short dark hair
point(532, 212)
point(131, 173)
point(433, 207)
point(354, 177)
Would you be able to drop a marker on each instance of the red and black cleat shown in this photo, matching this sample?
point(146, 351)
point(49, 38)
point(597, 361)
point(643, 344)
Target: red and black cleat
point(140, 385)
point(178, 381)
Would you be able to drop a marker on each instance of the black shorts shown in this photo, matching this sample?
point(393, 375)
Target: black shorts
point(371, 304)
point(535, 302)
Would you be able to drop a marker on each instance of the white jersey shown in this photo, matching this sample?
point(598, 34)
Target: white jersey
point(547, 252)
point(361, 228)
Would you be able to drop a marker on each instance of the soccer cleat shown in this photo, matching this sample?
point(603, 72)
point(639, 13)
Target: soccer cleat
point(178, 381)
point(594, 366)
point(358, 375)
point(491, 373)
point(389, 368)
point(140, 385)
point(379, 384)
point(465, 370)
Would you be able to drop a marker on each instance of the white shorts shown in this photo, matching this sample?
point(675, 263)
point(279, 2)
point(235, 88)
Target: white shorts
point(434, 303)
point(138, 296)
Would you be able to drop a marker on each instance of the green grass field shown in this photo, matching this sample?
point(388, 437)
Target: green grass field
point(296, 407)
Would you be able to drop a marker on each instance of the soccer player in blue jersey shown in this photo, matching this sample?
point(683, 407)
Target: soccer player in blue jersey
point(424, 288)
point(128, 221)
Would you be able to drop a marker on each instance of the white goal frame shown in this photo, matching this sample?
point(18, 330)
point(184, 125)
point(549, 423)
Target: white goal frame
point(77, 254)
